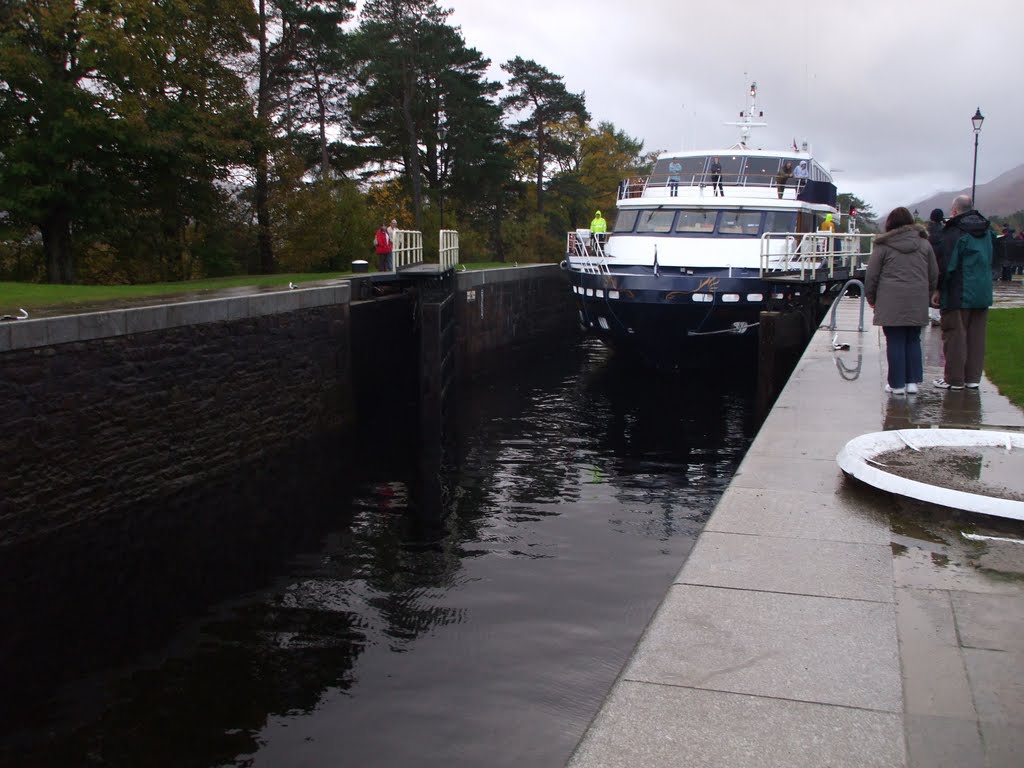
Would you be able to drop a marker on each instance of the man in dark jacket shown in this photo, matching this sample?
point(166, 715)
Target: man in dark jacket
point(935, 238)
point(965, 293)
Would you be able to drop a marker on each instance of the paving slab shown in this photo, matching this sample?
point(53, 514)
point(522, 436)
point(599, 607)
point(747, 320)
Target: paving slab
point(657, 726)
point(798, 566)
point(836, 516)
point(816, 649)
point(992, 622)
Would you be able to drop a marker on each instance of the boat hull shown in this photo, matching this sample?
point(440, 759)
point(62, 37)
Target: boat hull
point(677, 317)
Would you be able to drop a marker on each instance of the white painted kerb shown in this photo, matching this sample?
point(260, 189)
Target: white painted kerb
point(855, 455)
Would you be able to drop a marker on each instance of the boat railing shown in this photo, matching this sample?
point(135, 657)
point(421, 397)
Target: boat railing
point(660, 186)
point(585, 252)
point(803, 252)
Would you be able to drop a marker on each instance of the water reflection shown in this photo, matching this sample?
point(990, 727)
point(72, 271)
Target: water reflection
point(438, 619)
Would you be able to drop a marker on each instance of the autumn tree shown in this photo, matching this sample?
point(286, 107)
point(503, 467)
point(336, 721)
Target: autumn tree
point(537, 100)
point(110, 111)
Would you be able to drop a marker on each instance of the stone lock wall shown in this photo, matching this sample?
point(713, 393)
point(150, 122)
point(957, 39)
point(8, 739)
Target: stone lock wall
point(104, 410)
point(499, 310)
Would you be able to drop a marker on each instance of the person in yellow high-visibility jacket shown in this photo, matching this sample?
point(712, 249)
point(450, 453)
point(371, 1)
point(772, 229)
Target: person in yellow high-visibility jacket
point(827, 225)
point(598, 226)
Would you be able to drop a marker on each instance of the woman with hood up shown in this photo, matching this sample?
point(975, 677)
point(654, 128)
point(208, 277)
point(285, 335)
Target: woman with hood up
point(902, 273)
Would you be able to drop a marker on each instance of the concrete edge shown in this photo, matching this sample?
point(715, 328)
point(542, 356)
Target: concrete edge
point(66, 329)
point(474, 279)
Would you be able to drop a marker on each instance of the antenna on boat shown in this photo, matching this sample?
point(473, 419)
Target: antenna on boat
point(746, 121)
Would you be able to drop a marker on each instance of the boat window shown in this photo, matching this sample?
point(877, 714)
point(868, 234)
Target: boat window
point(696, 221)
point(780, 221)
point(655, 221)
point(762, 170)
point(740, 223)
point(624, 221)
point(690, 170)
point(731, 166)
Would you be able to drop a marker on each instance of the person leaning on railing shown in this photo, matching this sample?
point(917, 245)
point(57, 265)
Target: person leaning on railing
point(783, 178)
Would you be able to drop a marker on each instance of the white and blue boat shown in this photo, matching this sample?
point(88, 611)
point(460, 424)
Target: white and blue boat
point(709, 240)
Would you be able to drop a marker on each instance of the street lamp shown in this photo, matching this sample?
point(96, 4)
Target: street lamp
point(916, 215)
point(976, 121)
point(442, 133)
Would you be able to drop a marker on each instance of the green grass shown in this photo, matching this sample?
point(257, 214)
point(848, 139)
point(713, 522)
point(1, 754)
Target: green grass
point(15, 296)
point(1004, 352)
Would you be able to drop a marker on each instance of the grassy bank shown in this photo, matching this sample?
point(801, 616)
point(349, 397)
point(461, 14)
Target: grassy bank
point(1004, 352)
point(15, 296)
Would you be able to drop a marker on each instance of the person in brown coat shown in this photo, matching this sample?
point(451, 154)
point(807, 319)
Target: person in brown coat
point(902, 273)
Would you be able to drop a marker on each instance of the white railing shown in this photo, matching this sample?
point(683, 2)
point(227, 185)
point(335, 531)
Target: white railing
point(811, 251)
point(407, 248)
point(585, 252)
point(449, 249)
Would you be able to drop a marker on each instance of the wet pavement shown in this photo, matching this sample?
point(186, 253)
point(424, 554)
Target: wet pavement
point(819, 621)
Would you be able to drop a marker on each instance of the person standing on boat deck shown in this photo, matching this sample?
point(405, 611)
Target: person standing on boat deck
point(674, 169)
point(598, 226)
point(783, 178)
point(902, 273)
point(800, 174)
point(964, 293)
point(716, 176)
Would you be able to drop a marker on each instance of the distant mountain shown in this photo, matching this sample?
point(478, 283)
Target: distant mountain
point(1000, 197)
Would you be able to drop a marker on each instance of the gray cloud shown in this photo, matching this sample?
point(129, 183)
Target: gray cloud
point(882, 90)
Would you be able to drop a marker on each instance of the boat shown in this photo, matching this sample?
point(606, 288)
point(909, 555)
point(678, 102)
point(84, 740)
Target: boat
point(709, 240)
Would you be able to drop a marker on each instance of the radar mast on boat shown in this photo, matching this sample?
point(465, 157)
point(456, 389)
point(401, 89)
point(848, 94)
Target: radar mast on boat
point(746, 121)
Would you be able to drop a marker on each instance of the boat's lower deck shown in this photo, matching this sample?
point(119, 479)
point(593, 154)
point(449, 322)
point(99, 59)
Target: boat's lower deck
point(675, 314)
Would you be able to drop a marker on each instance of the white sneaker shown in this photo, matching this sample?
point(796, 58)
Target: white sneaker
point(971, 385)
point(897, 391)
point(911, 388)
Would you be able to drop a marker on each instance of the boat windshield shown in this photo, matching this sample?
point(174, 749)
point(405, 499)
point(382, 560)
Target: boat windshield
point(740, 223)
point(684, 170)
point(707, 222)
point(696, 221)
point(737, 169)
point(655, 221)
point(625, 221)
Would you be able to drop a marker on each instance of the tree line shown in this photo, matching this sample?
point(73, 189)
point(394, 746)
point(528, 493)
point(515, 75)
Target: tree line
point(145, 140)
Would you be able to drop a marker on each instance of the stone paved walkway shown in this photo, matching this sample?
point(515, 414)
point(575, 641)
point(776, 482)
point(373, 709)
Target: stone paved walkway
point(818, 622)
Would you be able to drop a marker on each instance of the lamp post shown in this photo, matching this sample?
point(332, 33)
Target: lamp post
point(976, 121)
point(442, 133)
point(917, 216)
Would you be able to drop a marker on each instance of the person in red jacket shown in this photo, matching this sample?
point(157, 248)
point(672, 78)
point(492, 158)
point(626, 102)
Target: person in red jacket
point(382, 245)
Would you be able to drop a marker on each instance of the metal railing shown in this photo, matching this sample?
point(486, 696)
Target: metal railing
point(639, 185)
point(585, 252)
point(803, 252)
point(448, 250)
point(407, 248)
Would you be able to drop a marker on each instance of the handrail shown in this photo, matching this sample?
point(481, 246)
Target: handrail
point(812, 251)
point(638, 186)
point(407, 248)
point(448, 249)
point(842, 294)
point(587, 249)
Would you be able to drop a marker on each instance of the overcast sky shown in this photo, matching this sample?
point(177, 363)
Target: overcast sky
point(883, 90)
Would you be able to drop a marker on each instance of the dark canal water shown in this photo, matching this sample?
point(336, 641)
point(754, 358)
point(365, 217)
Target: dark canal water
point(338, 610)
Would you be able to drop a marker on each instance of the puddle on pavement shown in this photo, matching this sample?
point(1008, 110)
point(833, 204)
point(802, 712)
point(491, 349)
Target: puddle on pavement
point(985, 470)
point(930, 550)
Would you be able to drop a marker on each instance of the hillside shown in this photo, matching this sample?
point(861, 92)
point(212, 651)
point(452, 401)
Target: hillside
point(1000, 197)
